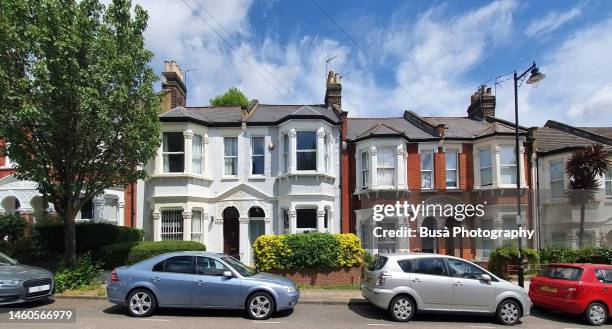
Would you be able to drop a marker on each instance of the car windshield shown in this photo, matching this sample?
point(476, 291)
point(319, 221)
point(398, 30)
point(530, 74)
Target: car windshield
point(6, 260)
point(239, 267)
point(562, 273)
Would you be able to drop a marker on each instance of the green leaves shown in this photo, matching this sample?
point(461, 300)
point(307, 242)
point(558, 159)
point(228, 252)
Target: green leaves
point(232, 97)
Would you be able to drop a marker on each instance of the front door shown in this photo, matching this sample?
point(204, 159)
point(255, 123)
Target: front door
point(231, 232)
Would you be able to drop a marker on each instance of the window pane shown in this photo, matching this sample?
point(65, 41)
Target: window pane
point(196, 222)
point(179, 264)
point(306, 140)
point(385, 158)
point(174, 163)
point(432, 266)
point(451, 178)
point(507, 156)
point(386, 176)
point(465, 270)
point(209, 266)
point(451, 160)
point(286, 153)
point(231, 146)
point(508, 175)
point(426, 179)
point(426, 161)
point(485, 158)
point(556, 170)
point(174, 142)
point(197, 150)
point(486, 177)
point(257, 145)
point(306, 218)
point(231, 166)
point(306, 160)
point(258, 165)
point(365, 161)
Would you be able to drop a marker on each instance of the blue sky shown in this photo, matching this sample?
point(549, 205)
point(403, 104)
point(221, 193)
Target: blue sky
point(426, 56)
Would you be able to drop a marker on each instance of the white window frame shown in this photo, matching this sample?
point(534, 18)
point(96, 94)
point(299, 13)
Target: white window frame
point(326, 149)
point(297, 216)
point(297, 150)
point(503, 166)
point(365, 170)
point(197, 235)
point(608, 181)
point(481, 169)
point(286, 152)
point(226, 157)
point(260, 155)
point(173, 230)
point(165, 153)
point(392, 167)
point(562, 179)
point(456, 169)
point(195, 158)
point(431, 170)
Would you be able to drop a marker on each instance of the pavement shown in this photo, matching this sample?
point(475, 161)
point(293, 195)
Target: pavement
point(97, 314)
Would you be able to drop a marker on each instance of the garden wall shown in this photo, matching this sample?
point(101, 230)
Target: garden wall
point(317, 277)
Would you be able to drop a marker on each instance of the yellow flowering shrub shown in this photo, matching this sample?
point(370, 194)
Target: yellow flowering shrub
point(350, 252)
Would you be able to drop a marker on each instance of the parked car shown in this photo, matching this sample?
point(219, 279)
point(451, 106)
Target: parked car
point(584, 289)
point(196, 279)
point(409, 282)
point(22, 283)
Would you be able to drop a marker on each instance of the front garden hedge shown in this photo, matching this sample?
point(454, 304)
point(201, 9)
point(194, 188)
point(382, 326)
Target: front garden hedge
point(312, 250)
point(126, 253)
point(560, 254)
point(502, 257)
point(90, 236)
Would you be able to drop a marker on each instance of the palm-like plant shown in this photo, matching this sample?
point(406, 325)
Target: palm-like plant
point(584, 167)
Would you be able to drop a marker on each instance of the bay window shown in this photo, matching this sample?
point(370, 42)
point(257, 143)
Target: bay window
point(306, 219)
point(556, 179)
point(173, 151)
point(451, 169)
point(385, 166)
point(197, 155)
point(306, 150)
point(365, 169)
point(486, 168)
point(608, 181)
point(508, 164)
point(257, 155)
point(427, 169)
point(230, 157)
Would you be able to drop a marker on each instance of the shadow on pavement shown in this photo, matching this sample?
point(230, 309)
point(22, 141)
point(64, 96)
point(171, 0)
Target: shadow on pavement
point(32, 304)
point(187, 312)
point(375, 313)
point(559, 317)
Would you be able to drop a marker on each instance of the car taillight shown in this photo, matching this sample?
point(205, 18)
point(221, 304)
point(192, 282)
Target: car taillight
point(114, 276)
point(381, 278)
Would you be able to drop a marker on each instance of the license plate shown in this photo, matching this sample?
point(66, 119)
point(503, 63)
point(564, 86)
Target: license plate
point(39, 288)
point(549, 289)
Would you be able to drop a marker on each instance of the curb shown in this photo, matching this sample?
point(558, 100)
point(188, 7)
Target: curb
point(307, 301)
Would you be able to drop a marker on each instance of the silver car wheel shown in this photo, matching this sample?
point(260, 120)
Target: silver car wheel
point(140, 303)
point(260, 306)
point(597, 314)
point(402, 308)
point(509, 313)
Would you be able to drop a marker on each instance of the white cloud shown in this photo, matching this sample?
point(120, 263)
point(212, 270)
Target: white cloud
point(551, 22)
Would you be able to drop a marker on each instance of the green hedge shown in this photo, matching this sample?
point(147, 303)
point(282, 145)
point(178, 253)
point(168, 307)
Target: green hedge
point(559, 254)
point(313, 250)
point(502, 257)
point(90, 236)
point(119, 254)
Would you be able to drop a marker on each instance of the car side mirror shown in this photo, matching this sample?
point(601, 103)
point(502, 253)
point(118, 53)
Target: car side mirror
point(485, 277)
point(228, 274)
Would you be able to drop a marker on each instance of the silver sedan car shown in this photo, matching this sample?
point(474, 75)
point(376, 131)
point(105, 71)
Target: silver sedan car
point(405, 283)
point(22, 283)
point(196, 279)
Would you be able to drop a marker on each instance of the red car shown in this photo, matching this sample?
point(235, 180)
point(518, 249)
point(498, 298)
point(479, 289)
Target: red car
point(575, 289)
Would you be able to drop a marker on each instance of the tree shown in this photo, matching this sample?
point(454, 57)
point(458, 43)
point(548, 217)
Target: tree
point(77, 104)
point(584, 167)
point(232, 97)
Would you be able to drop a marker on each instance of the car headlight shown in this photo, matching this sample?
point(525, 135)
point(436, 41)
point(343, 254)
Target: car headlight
point(290, 289)
point(9, 283)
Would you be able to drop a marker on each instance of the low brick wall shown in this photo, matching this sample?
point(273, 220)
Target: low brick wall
point(316, 277)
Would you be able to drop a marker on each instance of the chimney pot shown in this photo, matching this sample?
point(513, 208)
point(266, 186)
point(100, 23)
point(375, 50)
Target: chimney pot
point(333, 93)
point(175, 91)
point(482, 104)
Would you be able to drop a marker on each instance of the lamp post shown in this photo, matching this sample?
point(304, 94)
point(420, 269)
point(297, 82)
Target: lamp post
point(535, 77)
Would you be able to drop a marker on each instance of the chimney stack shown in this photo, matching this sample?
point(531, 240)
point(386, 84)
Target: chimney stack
point(174, 89)
point(333, 93)
point(482, 104)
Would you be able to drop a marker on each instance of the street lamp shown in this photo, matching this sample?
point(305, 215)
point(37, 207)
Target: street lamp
point(534, 78)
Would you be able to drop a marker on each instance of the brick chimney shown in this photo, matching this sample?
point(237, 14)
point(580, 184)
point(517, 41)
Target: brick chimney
point(174, 89)
point(482, 104)
point(333, 93)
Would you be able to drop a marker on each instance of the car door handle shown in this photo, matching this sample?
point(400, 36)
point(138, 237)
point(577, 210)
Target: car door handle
point(604, 289)
point(416, 280)
point(155, 279)
point(200, 283)
point(458, 283)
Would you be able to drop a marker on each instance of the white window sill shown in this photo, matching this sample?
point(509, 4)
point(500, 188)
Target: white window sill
point(306, 230)
point(181, 175)
point(379, 189)
point(257, 177)
point(229, 178)
point(305, 174)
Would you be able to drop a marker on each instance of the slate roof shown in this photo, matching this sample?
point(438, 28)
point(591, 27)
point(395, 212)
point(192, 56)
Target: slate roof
point(275, 113)
point(210, 115)
point(367, 127)
point(556, 136)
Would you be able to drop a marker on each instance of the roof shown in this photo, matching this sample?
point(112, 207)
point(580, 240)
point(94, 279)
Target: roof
point(261, 114)
point(360, 128)
point(557, 137)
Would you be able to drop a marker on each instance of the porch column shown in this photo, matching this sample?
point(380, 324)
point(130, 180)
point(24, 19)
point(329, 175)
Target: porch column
point(292, 221)
point(121, 214)
point(98, 208)
point(373, 167)
point(292, 151)
point(267, 226)
point(321, 220)
point(244, 247)
point(156, 226)
point(495, 160)
point(521, 163)
point(188, 134)
point(320, 150)
point(187, 225)
point(158, 166)
point(400, 170)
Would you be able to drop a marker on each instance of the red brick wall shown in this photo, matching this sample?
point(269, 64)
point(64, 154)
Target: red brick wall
point(439, 170)
point(315, 277)
point(130, 195)
point(414, 167)
point(346, 177)
point(466, 168)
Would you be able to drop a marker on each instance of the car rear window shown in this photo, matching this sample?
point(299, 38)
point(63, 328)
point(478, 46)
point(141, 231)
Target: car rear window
point(604, 275)
point(378, 263)
point(562, 273)
point(432, 266)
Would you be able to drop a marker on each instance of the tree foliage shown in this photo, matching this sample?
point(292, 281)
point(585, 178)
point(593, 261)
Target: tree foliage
point(77, 103)
point(232, 97)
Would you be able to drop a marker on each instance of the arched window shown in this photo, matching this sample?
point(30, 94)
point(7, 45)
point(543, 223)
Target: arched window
point(256, 212)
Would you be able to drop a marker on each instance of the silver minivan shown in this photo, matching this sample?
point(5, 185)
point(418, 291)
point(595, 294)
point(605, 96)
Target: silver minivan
point(407, 282)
